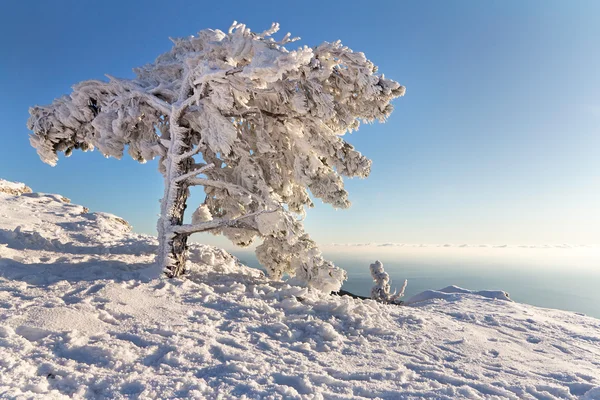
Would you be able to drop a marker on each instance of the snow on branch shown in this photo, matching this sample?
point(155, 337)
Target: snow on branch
point(215, 223)
point(194, 173)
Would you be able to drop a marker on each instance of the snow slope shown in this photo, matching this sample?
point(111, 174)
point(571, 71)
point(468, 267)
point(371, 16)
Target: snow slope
point(84, 315)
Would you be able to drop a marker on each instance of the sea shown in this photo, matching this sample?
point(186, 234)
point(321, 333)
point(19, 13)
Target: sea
point(559, 277)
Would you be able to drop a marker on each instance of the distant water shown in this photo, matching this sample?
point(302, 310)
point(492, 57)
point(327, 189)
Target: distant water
point(566, 279)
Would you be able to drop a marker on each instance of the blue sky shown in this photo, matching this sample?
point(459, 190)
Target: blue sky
point(496, 140)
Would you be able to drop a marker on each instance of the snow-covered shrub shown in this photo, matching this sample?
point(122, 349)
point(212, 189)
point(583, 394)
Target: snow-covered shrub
point(381, 290)
point(257, 125)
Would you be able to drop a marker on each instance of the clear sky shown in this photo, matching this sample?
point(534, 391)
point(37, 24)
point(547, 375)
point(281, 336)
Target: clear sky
point(496, 141)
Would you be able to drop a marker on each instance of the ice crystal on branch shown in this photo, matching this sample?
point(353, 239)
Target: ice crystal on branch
point(257, 125)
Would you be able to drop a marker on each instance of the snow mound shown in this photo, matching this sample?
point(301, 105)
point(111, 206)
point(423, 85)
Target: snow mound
point(13, 188)
point(452, 293)
point(84, 314)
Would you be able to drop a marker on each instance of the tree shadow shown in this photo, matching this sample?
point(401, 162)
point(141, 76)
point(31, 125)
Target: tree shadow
point(46, 274)
point(22, 240)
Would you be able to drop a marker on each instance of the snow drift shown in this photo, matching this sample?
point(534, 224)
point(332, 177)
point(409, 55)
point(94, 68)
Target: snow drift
point(84, 314)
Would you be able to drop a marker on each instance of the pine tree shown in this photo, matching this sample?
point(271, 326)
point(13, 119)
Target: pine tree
point(255, 124)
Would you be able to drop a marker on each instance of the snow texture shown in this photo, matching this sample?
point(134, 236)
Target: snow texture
point(256, 124)
point(83, 314)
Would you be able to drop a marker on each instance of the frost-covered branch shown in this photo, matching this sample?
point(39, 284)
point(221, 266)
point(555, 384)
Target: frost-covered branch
point(189, 153)
point(154, 101)
point(232, 188)
point(193, 173)
point(188, 229)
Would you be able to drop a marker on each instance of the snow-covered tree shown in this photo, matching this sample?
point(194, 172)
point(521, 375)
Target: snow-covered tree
point(381, 290)
point(255, 124)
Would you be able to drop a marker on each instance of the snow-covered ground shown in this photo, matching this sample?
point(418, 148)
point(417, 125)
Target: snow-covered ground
point(83, 314)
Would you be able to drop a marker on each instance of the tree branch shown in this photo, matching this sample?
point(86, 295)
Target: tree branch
point(154, 101)
point(193, 173)
point(225, 185)
point(188, 229)
point(187, 154)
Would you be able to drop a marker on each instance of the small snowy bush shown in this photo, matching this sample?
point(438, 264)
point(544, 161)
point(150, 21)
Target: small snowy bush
point(381, 291)
point(257, 125)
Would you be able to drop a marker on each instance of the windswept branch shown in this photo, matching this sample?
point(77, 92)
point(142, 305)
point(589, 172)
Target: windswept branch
point(225, 185)
point(194, 173)
point(189, 153)
point(188, 229)
point(151, 99)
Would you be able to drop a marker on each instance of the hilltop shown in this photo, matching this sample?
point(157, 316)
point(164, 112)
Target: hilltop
point(84, 313)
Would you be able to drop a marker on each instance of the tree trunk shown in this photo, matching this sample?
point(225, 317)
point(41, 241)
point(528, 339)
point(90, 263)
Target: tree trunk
point(172, 253)
point(174, 245)
point(177, 245)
